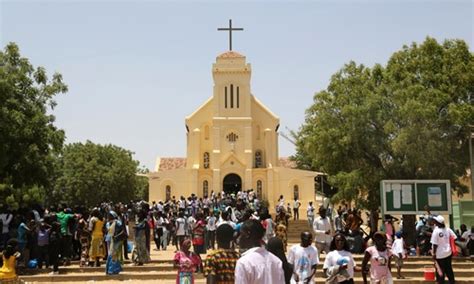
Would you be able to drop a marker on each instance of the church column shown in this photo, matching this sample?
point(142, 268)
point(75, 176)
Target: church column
point(269, 148)
point(270, 188)
point(248, 154)
point(196, 148)
point(216, 147)
point(215, 158)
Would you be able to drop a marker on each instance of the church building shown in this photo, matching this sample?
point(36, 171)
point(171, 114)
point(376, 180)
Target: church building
point(232, 145)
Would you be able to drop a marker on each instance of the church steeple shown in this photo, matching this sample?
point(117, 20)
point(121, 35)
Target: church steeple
point(231, 76)
point(231, 81)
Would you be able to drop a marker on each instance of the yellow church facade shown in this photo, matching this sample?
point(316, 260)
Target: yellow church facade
point(232, 145)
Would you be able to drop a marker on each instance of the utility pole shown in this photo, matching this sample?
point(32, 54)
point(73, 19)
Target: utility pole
point(471, 135)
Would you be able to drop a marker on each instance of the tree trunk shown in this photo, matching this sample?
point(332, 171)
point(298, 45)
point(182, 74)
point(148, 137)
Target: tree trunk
point(409, 230)
point(374, 221)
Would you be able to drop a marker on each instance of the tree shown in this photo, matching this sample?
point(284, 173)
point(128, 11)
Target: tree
point(142, 187)
point(28, 137)
point(408, 119)
point(91, 173)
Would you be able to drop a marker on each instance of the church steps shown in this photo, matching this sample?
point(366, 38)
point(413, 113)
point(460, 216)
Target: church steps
point(413, 269)
point(138, 277)
point(413, 264)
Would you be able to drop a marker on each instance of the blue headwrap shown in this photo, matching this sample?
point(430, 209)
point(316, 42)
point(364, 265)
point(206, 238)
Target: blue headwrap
point(113, 214)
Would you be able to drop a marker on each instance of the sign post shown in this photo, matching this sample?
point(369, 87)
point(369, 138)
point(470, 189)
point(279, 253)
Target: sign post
point(411, 196)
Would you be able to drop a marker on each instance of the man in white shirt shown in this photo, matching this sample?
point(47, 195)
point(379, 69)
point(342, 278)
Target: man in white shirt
point(182, 203)
point(224, 219)
point(310, 213)
point(296, 209)
point(180, 225)
point(322, 229)
point(442, 252)
point(256, 265)
point(159, 206)
point(6, 220)
point(211, 227)
point(304, 258)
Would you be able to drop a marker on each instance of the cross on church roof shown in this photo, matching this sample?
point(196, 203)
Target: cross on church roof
point(230, 29)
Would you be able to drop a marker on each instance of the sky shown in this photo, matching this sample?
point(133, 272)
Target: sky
point(136, 69)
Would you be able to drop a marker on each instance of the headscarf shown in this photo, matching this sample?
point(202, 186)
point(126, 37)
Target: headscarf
point(113, 214)
point(187, 242)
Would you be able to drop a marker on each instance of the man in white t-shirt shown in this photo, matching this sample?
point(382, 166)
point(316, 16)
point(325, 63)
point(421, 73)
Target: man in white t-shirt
point(304, 258)
point(296, 209)
point(211, 227)
point(180, 230)
point(256, 265)
point(322, 228)
point(442, 252)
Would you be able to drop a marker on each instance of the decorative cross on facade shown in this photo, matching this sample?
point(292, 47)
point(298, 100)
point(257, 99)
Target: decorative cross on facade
point(230, 29)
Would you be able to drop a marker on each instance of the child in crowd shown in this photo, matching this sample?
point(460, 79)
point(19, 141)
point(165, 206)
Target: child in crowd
point(399, 254)
point(379, 257)
point(9, 256)
point(42, 237)
point(187, 263)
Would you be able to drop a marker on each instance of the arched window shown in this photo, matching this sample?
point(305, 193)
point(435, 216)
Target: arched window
point(206, 132)
point(258, 159)
point(206, 160)
point(168, 192)
point(296, 192)
point(205, 188)
point(259, 189)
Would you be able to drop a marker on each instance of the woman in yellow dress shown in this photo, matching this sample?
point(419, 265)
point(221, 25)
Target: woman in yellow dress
point(97, 248)
point(9, 255)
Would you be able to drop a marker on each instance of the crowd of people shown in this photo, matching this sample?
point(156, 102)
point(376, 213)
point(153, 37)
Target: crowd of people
point(241, 240)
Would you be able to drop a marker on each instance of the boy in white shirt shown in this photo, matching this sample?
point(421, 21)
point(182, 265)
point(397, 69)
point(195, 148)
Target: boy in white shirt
point(398, 251)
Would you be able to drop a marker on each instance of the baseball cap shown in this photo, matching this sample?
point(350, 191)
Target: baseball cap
point(439, 219)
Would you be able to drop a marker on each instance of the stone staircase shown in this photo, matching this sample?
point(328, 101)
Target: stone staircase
point(295, 228)
point(161, 268)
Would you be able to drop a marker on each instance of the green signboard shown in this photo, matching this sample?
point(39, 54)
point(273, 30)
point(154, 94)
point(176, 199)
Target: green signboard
point(411, 196)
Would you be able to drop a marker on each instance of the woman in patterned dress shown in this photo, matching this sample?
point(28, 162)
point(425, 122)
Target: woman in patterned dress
point(220, 263)
point(84, 238)
point(115, 254)
point(140, 253)
point(187, 262)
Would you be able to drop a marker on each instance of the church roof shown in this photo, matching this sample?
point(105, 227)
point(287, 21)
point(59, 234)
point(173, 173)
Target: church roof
point(167, 164)
point(285, 162)
point(230, 54)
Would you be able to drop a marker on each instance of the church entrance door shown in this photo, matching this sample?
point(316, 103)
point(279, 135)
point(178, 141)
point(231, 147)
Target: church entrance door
point(232, 183)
